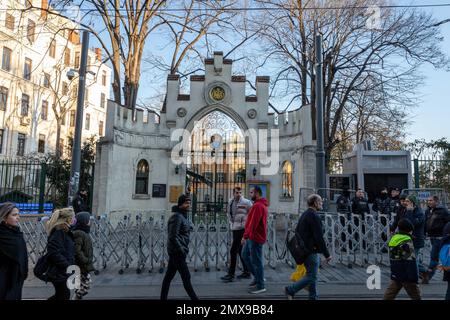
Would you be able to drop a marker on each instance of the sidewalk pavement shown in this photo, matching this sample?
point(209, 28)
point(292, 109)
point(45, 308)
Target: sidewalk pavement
point(335, 283)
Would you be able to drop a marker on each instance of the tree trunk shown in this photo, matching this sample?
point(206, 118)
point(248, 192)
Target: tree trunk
point(58, 137)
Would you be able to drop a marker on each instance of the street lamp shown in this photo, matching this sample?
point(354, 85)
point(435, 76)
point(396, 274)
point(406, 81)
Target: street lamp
point(76, 149)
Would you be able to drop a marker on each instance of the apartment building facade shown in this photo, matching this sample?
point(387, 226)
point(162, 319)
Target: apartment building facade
point(37, 98)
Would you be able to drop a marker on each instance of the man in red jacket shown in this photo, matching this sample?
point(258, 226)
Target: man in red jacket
point(254, 239)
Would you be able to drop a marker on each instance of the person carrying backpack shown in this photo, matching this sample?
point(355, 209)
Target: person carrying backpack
point(84, 252)
point(404, 268)
point(60, 251)
point(442, 253)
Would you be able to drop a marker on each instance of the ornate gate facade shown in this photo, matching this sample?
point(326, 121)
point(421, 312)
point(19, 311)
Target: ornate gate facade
point(216, 164)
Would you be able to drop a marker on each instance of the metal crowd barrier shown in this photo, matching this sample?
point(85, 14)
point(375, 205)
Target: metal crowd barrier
point(140, 243)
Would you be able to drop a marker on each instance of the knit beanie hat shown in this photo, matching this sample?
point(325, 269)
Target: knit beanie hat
point(403, 196)
point(413, 199)
point(83, 218)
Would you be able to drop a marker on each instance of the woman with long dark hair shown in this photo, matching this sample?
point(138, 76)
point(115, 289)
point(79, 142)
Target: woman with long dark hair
point(13, 254)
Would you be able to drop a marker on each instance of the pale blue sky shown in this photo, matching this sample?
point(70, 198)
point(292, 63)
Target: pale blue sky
point(432, 115)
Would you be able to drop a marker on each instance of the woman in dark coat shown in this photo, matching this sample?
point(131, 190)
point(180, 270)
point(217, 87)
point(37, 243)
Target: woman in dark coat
point(13, 254)
point(60, 251)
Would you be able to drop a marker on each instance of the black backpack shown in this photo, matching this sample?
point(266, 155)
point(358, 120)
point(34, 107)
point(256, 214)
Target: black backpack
point(42, 267)
point(297, 247)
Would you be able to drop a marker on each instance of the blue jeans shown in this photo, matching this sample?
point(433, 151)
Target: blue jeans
point(435, 244)
point(310, 279)
point(252, 255)
point(420, 266)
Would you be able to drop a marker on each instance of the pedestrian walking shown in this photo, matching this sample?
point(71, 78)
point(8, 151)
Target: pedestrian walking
point(80, 202)
point(309, 229)
point(238, 208)
point(60, 251)
point(255, 235)
point(13, 254)
point(84, 252)
point(404, 271)
point(437, 216)
point(179, 230)
point(442, 253)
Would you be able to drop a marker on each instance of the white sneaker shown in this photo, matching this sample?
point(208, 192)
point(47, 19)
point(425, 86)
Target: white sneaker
point(257, 291)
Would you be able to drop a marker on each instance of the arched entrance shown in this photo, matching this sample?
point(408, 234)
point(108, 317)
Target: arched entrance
point(216, 163)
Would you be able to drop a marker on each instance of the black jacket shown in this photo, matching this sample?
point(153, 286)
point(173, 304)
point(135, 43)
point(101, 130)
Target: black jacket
point(343, 204)
point(79, 204)
point(13, 262)
point(84, 251)
point(309, 227)
point(178, 232)
point(417, 218)
point(395, 205)
point(360, 206)
point(435, 255)
point(400, 214)
point(383, 206)
point(61, 253)
point(436, 220)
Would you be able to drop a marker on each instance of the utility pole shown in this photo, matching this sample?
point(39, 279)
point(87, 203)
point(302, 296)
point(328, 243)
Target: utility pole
point(320, 152)
point(76, 148)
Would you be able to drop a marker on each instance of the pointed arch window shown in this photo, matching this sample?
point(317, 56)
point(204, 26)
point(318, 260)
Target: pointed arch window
point(286, 184)
point(142, 173)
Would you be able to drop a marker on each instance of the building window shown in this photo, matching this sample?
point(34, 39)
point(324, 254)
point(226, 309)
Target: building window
point(142, 177)
point(65, 88)
point(1, 140)
point(52, 49)
point(25, 105)
point(41, 144)
point(87, 124)
point(67, 57)
point(100, 128)
point(27, 69)
point(86, 95)
point(20, 144)
point(31, 30)
point(46, 80)
point(104, 78)
point(6, 59)
point(10, 21)
point(44, 111)
point(220, 177)
point(3, 98)
point(72, 118)
point(102, 100)
point(286, 184)
point(77, 60)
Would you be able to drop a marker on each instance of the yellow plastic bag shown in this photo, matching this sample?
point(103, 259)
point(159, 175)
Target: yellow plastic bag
point(298, 273)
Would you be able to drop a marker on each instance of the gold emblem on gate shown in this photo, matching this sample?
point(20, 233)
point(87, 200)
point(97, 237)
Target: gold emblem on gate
point(217, 93)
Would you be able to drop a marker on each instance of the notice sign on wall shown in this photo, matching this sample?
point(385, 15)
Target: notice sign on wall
point(174, 193)
point(159, 190)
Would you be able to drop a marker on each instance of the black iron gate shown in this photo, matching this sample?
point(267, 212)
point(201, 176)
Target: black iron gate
point(216, 165)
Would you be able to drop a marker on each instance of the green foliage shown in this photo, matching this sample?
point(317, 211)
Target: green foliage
point(434, 163)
